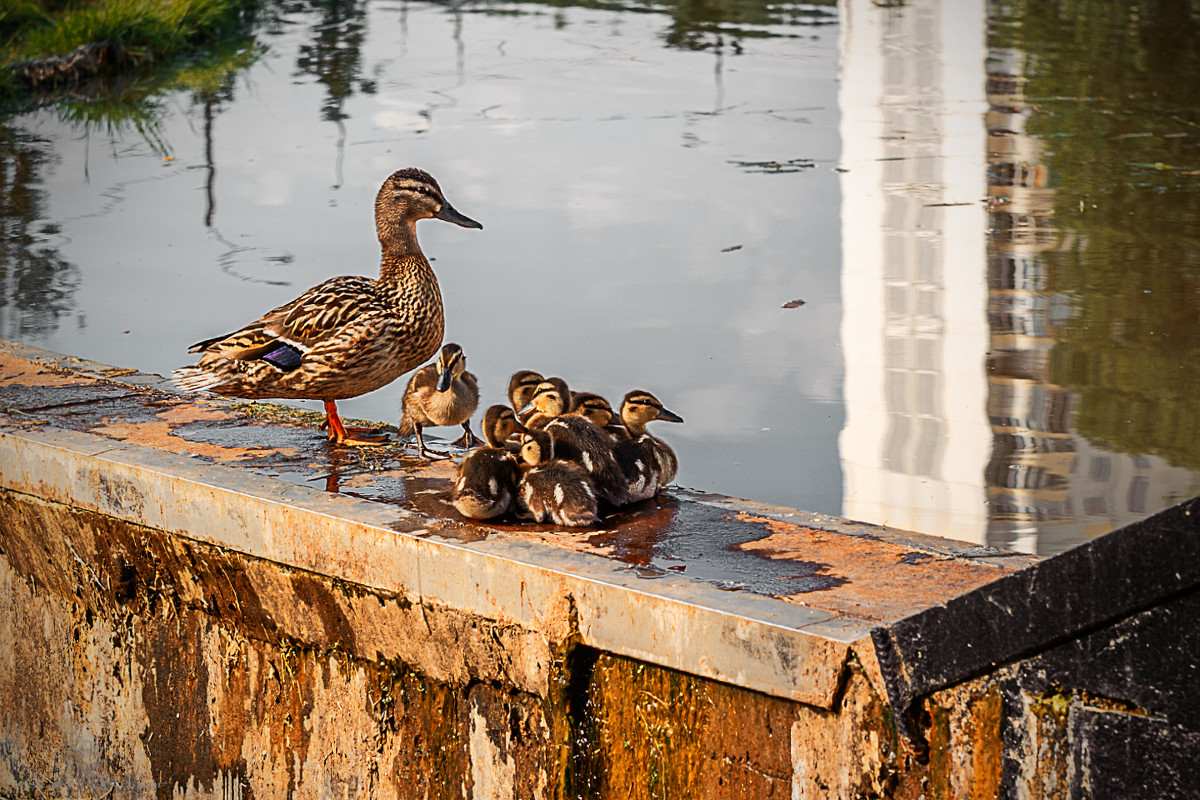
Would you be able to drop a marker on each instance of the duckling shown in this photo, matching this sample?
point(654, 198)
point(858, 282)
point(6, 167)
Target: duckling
point(521, 387)
point(576, 437)
point(554, 489)
point(600, 412)
point(487, 477)
point(550, 399)
point(438, 394)
point(647, 462)
point(346, 336)
point(592, 406)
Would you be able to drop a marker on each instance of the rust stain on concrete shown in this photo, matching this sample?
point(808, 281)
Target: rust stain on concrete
point(160, 433)
point(882, 581)
point(22, 371)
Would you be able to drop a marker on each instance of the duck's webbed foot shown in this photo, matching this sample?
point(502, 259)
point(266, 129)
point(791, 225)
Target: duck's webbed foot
point(350, 437)
point(468, 439)
point(427, 454)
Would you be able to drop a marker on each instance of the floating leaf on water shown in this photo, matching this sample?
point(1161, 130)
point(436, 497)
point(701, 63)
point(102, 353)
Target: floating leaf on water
point(1158, 165)
point(731, 249)
point(793, 304)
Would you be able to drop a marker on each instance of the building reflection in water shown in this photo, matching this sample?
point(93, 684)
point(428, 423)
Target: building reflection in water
point(954, 426)
point(916, 440)
point(1048, 487)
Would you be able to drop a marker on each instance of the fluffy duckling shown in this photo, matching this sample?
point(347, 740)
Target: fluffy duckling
point(550, 399)
point(521, 387)
point(554, 489)
point(440, 394)
point(580, 437)
point(600, 412)
point(647, 462)
point(487, 477)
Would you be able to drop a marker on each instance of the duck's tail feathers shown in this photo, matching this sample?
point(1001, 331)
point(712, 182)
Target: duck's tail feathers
point(193, 379)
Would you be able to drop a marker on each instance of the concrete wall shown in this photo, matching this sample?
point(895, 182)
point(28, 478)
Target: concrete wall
point(144, 664)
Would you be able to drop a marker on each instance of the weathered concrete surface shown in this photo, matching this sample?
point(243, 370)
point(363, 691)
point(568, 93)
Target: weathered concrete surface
point(150, 665)
point(202, 597)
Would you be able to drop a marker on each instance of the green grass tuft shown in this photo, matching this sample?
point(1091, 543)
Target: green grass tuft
point(142, 31)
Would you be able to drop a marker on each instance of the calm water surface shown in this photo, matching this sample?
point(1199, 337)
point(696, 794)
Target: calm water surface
point(998, 264)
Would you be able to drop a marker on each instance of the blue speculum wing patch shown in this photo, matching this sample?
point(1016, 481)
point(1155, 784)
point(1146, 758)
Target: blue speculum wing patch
point(284, 358)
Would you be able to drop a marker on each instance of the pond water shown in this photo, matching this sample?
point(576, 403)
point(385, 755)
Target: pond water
point(989, 217)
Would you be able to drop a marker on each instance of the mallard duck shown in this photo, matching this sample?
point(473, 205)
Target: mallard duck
point(348, 335)
point(554, 489)
point(520, 389)
point(487, 478)
point(440, 394)
point(551, 398)
point(647, 462)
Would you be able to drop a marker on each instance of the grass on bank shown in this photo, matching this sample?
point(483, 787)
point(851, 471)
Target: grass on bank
point(144, 31)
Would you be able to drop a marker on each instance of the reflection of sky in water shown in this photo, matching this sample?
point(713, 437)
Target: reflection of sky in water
point(630, 242)
point(603, 166)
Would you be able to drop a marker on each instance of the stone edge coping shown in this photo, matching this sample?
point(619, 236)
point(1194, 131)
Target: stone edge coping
point(928, 543)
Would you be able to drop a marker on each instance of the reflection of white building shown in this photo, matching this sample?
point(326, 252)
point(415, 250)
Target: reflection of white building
point(917, 440)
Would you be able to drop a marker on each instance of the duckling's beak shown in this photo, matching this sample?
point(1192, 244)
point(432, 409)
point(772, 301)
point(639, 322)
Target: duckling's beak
point(668, 416)
point(448, 213)
point(444, 379)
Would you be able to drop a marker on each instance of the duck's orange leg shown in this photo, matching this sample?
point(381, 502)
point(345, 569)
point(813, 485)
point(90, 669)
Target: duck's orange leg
point(340, 434)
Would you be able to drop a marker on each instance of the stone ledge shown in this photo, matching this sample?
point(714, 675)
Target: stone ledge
point(807, 589)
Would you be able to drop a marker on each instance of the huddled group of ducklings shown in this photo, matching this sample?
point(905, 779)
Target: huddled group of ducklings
point(551, 454)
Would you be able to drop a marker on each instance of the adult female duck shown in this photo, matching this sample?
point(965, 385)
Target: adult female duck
point(349, 335)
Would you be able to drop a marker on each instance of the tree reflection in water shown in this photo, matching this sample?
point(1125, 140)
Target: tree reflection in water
point(36, 283)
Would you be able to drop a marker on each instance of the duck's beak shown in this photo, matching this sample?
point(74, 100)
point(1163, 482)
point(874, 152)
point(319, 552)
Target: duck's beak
point(444, 379)
point(448, 213)
point(668, 416)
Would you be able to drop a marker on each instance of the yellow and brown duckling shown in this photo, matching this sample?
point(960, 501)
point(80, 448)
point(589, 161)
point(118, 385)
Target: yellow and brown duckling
point(346, 336)
point(440, 394)
point(647, 462)
point(600, 412)
point(551, 398)
point(521, 387)
point(554, 489)
point(488, 477)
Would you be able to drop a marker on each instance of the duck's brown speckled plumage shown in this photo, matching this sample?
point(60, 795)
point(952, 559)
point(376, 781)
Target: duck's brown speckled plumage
point(348, 335)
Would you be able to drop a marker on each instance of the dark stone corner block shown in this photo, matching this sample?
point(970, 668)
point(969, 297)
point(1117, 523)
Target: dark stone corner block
point(1131, 570)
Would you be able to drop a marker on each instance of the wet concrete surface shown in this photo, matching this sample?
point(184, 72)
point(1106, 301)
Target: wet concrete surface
point(864, 572)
